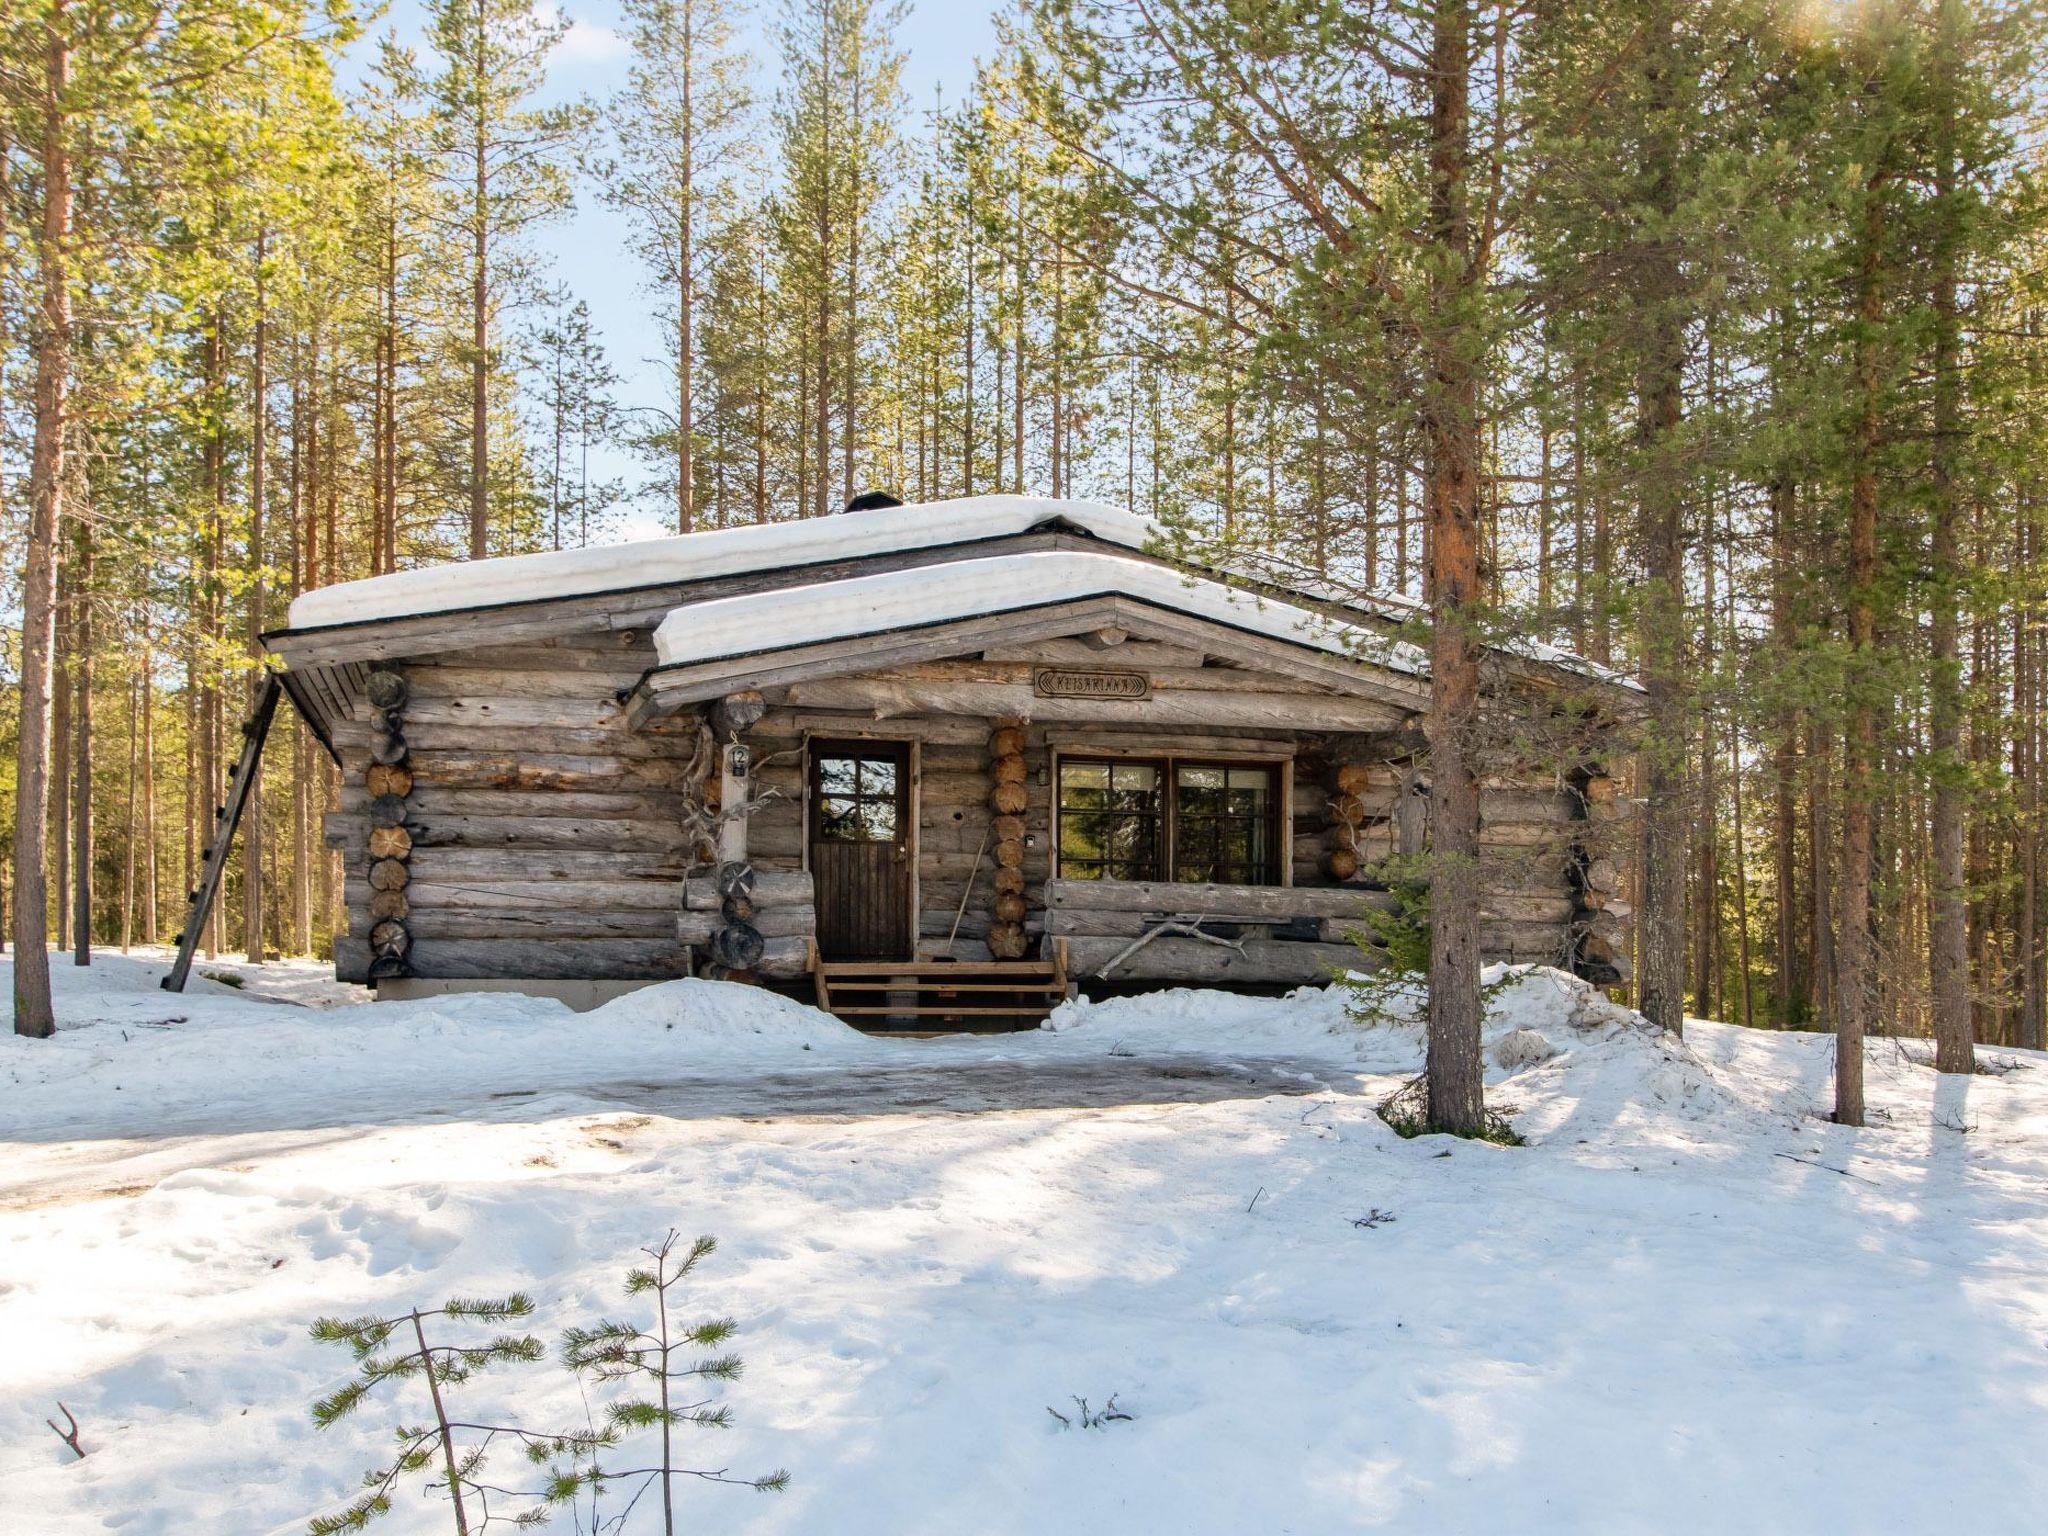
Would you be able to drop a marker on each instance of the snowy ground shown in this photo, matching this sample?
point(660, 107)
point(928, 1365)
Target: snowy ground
point(1689, 1304)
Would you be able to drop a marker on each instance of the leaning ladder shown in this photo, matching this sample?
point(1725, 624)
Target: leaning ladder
point(225, 819)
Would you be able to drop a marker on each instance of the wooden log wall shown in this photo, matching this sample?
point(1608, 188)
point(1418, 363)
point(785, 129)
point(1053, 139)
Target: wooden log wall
point(957, 831)
point(388, 784)
point(1009, 799)
point(779, 907)
point(546, 835)
point(541, 835)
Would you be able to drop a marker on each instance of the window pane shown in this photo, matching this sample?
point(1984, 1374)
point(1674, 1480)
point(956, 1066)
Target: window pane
point(1223, 824)
point(878, 820)
point(1080, 836)
point(1134, 787)
point(839, 819)
point(836, 776)
point(1109, 827)
point(1083, 776)
point(878, 776)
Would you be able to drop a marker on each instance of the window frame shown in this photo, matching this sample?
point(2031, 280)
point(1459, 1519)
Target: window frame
point(1167, 765)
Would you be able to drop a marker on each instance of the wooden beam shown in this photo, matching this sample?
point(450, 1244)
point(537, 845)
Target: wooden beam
point(1277, 901)
point(886, 698)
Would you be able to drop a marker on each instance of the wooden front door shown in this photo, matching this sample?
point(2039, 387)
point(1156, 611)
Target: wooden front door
point(860, 848)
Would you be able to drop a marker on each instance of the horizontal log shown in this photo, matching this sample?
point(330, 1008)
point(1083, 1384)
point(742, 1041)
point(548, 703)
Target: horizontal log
point(620, 663)
point(548, 960)
point(521, 895)
point(1092, 922)
point(785, 959)
point(459, 865)
point(1068, 652)
point(548, 832)
point(771, 889)
point(1195, 676)
point(1520, 908)
point(1528, 803)
point(951, 730)
point(506, 769)
point(1302, 712)
point(580, 712)
point(1188, 741)
point(1540, 943)
point(1261, 961)
point(436, 799)
point(556, 923)
point(452, 681)
point(1529, 834)
point(498, 736)
point(1089, 922)
point(771, 922)
point(1248, 900)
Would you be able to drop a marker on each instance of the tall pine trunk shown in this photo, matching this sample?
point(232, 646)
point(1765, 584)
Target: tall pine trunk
point(82, 754)
point(259, 432)
point(33, 1014)
point(1948, 968)
point(1450, 422)
point(1660, 536)
point(1855, 957)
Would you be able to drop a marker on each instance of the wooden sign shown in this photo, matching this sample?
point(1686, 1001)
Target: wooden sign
point(1089, 683)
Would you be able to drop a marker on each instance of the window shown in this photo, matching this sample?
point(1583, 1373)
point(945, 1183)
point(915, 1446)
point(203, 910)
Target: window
point(1195, 822)
point(1110, 817)
point(857, 798)
point(1223, 824)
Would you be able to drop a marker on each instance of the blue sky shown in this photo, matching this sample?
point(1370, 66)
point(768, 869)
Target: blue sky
point(587, 253)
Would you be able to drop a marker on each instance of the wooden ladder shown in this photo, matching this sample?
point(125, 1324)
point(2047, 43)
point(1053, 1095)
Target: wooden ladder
point(255, 730)
point(943, 996)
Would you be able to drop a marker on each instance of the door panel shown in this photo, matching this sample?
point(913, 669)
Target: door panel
point(860, 848)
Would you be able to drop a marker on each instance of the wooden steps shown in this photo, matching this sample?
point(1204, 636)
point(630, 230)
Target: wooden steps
point(943, 996)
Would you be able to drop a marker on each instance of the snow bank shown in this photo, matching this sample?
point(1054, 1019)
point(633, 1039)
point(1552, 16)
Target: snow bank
point(699, 556)
point(1565, 1052)
point(1688, 1306)
point(129, 1056)
point(865, 605)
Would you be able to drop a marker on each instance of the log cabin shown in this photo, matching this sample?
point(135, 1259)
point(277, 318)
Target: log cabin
point(934, 765)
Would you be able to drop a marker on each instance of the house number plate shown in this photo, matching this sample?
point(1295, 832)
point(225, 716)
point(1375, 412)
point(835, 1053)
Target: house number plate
point(1088, 683)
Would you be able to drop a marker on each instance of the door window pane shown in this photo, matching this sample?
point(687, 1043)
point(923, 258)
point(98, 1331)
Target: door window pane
point(857, 799)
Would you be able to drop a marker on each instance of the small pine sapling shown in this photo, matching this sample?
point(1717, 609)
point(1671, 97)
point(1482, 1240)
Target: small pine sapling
point(1396, 940)
point(459, 1445)
point(668, 1361)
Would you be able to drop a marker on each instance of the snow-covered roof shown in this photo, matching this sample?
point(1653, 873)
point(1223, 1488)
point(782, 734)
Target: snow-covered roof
point(700, 556)
point(807, 542)
point(963, 589)
point(1398, 608)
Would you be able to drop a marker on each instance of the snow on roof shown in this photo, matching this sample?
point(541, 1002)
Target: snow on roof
point(1398, 608)
point(964, 589)
point(816, 541)
point(699, 556)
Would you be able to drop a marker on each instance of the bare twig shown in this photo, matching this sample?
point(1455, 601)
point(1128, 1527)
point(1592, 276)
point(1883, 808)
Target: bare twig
point(1830, 1167)
point(70, 1436)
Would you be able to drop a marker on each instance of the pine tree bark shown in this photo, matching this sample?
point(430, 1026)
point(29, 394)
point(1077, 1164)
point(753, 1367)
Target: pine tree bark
point(1450, 423)
point(1855, 959)
point(1948, 969)
point(147, 773)
point(82, 754)
point(33, 1014)
point(1661, 922)
point(259, 434)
